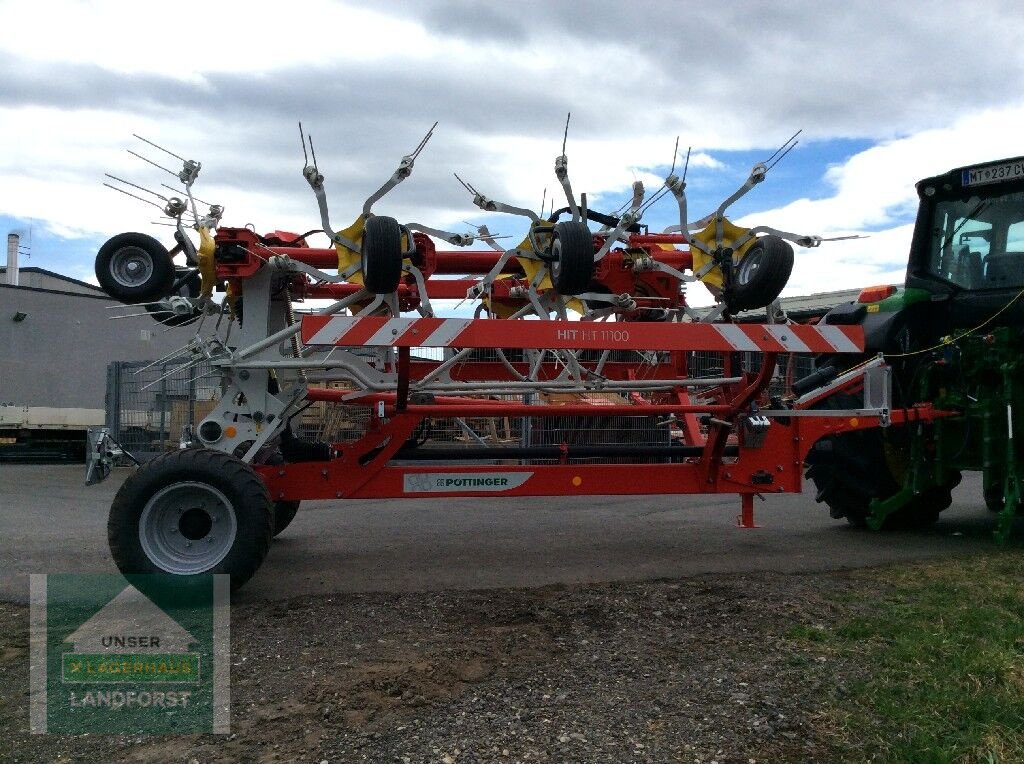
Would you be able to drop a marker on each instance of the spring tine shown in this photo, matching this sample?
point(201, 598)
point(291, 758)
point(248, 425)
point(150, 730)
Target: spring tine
point(675, 155)
point(565, 136)
point(784, 145)
point(423, 143)
point(686, 166)
point(783, 155)
point(183, 323)
point(145, 140)
point(302, 137)
point(169, 357)
point(150, 161)
point(135, 185)
point(171, 373)
point(134, 196)
point(172, 188)
point(313, 152)
point(465, 185)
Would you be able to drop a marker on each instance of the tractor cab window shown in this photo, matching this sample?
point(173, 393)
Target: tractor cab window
point(978, 243)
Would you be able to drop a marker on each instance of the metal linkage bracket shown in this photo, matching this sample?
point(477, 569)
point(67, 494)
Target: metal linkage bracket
point(101, 454)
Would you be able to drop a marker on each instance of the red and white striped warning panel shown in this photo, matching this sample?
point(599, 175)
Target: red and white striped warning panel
point(354, 331)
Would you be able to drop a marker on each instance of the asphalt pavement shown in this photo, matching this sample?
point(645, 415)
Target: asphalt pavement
point(50, 522)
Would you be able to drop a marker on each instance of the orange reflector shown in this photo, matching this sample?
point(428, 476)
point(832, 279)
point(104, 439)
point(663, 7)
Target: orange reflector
point(876, 293)
point(230, 431)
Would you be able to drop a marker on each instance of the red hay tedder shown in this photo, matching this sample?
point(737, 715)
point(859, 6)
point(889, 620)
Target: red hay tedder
point(585, 319)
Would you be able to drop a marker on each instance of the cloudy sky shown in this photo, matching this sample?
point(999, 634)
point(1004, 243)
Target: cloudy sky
point(885, 93)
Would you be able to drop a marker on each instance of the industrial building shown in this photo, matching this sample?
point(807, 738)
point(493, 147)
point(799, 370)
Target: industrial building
point(57, 337)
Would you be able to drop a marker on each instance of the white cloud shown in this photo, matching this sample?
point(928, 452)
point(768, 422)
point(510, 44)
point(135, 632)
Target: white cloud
point(876, 188)
point(225, 83)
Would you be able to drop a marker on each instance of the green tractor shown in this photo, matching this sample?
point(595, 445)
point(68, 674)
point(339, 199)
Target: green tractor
point(954, 337)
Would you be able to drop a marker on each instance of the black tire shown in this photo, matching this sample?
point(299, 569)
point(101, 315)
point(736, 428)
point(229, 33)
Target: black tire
point(572, 258)
point(169, 517)
point(850, 470)
point(284, 513)
point(761, 274)
point(995, 502)
point(134, 268)
point(191, 287)
point(381, 255)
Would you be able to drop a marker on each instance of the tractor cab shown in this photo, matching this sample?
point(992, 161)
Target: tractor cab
point(968, 240)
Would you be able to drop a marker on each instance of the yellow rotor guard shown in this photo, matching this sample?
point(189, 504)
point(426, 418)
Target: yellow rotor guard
point(207, 266)
point(531, 268)
point(349, 257)
point(730, 233)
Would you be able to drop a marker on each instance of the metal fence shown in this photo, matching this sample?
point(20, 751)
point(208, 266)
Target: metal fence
point(149, 405)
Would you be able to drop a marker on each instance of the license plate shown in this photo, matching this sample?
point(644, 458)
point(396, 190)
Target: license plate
point(978, 176)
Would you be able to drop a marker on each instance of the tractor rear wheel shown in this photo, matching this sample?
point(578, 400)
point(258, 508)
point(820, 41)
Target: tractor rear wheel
point(852, 469)
point(192, 512)
point(995, 502)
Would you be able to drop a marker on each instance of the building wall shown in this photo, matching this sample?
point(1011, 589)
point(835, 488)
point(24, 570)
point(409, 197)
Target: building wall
point(58, 355)
point(42, 279)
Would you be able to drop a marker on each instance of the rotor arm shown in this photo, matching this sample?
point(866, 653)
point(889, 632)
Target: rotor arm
point(629, 218)
point(801, 240)
point(562, 173)
point(677, 187)
point(757, 175)
point(404, 171)
point(456, 239)
point(316, 182)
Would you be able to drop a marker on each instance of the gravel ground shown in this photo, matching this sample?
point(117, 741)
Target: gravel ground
point(696, 670)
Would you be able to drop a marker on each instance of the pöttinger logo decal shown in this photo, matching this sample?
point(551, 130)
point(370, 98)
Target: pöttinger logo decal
point(463, 482)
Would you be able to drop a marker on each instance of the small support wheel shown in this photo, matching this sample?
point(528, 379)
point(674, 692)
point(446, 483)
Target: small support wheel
point(381, 254)
point(134, 268)
point(572, 263)
point(761, 274)
point(192, 512)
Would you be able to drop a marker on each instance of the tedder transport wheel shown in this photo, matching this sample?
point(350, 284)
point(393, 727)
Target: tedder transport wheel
point(851, 469)
point(381, 255)
point(761, 274)
point(191, 512)
point(134, 268)
point(572, 264)
point(284, 513)
point(190, 287)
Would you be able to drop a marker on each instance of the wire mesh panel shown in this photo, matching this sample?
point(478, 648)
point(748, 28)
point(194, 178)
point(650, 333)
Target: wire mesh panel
point(789, 368)
point(148, 406)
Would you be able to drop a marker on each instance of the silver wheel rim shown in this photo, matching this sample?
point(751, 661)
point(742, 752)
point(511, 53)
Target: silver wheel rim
point(131, 266)
point(748, 265)
point(187, 528)
point(556, 258)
